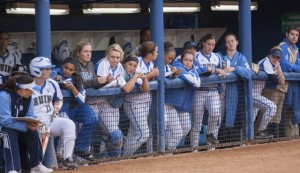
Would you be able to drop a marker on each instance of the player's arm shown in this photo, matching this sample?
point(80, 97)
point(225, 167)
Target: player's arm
point(145, 84)
point(152, 74)
point(6, 117)
point(243, 69)
point(280, 77)
point(131, 83)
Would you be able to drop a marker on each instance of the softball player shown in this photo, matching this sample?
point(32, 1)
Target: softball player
point(8, 58)
point(232, 61)
point(172, 122)
point(179, 104)
point(137, 112)
point(88, 114)
point(40, 68)
point(207, 96)
point(111, 68)
point(148, 52)
point(271, 66)
point(17, 102)
point(75, 108)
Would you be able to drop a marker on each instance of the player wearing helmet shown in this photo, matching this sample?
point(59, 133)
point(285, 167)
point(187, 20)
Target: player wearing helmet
point(40, 68)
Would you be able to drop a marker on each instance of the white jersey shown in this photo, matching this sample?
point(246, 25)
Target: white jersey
point(212, 60)
point(145, 68)
point(267, 67)
point(104, 69)
point(6, 63)
point(43, 100)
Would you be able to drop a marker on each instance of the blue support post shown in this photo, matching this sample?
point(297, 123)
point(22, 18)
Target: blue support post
point(157, 35)
point(245, 34)
point(43, 29)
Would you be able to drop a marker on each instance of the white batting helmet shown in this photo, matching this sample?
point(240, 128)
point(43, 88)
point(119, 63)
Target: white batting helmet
point(39, 63)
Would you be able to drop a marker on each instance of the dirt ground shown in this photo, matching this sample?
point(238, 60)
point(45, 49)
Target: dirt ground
point(277, 157)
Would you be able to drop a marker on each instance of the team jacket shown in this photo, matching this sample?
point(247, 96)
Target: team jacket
point(183, 100)
point(291, 63)
point(243, 70)
point(89, 76)
point(13, 106)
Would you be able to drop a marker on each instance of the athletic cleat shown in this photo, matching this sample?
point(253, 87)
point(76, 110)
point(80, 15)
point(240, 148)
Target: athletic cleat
point(85, 155)
point(41, 169)
point(69, 163)
point(211, 139)
point(13, 171)
point(263, 134)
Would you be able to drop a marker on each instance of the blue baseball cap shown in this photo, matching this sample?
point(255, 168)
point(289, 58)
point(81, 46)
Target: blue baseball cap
point(190, 44)
point(276, 52)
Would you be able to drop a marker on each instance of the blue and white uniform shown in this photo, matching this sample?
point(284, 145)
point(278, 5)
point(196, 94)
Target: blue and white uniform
point(260, 102)
point(110, 116)
point(179, 105)
point(137, 113)
point(80, 112)
point(145, 68)
point(206, 96)
point(43, 108)
point(6, 64)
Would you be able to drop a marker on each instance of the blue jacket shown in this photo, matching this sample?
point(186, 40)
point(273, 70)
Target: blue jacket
point(292, 97)
point(6, 111)
point(243, 70)
point(182, 99)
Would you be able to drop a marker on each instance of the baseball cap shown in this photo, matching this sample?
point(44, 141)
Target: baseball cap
point(19, 69)
point(25, 81)
point(276, 51)
point(190, 44)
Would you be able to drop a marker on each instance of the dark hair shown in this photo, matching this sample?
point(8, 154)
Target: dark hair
point(142, 33)
point(11, 84)
point(292, 28)
point(168, 47)
point(147, 47)
point(204, 39)
point(228, 34)
point(76, 77)
point(130, 57)
point(185, 53)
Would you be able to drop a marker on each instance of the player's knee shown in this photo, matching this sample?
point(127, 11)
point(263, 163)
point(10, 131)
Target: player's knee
point(144, 135)
point(116, 138)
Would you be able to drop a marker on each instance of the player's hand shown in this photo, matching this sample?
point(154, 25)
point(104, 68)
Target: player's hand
point(69, 86)
point(221, 72)
point(58, 78)
point(32, 126)
point(177, 73)
point(277, 64)
point(138, 75)
point(155, 72)
point(173, 70)
point(102, 80)
point(229, 69)
point(110, 78)
point(211, 70)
